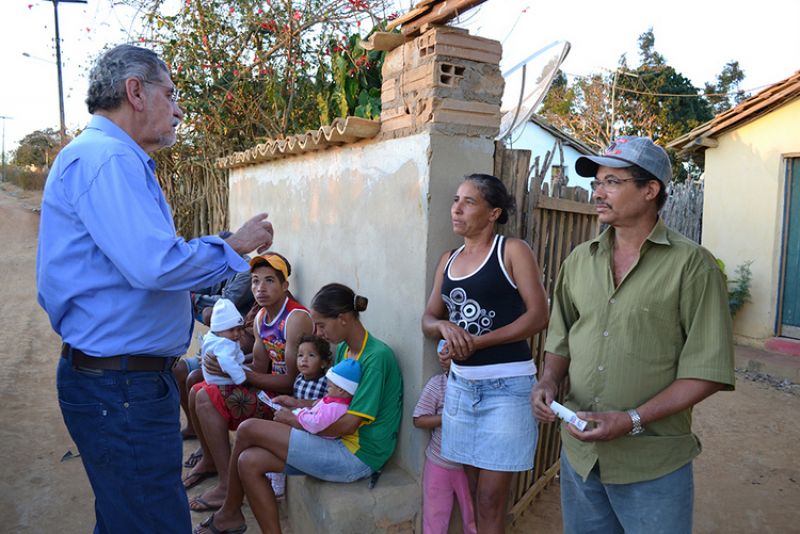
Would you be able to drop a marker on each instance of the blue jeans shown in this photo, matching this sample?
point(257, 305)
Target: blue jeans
point(126, 426)
point(663, 505)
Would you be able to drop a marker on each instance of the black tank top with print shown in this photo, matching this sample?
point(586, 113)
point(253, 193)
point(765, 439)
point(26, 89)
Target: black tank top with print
point(484, 301)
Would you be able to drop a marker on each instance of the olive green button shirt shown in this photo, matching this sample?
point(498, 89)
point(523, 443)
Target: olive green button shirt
point(668, 319)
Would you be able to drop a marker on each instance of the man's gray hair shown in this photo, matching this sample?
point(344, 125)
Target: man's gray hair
point(107, 77)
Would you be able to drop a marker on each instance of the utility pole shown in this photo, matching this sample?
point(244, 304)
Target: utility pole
point(4, 119)
point(63, 127)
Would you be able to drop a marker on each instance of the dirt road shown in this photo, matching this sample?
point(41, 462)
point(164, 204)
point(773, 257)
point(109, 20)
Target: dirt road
point(38, 492)
point(747, 479)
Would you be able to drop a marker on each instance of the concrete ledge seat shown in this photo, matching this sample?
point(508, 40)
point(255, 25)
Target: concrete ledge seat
point(390, 507)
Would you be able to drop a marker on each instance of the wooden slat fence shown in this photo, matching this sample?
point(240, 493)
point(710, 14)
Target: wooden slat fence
point(683, 211)
point(552, 224)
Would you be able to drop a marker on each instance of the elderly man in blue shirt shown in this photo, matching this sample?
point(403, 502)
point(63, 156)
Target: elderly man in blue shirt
point(114, 279)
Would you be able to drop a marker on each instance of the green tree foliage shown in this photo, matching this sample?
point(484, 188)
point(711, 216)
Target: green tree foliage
point(581, 108)
point(659, 102)
point(647, 49)
point(727, 91)
point(345, 86)
point(249, 70)
point(561, 97)
point(651, 99)
point(38, 149)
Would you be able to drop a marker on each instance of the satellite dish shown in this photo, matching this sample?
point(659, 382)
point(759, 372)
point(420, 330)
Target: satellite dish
point(527, 84)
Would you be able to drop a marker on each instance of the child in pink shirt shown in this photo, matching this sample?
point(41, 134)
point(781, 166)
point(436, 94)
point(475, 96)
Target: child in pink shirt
point(441, 479)
point(343, 379)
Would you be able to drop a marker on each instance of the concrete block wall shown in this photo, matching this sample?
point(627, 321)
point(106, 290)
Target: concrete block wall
point(376, 216)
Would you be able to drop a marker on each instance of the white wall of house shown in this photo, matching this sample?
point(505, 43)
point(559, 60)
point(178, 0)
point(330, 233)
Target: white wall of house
point(539, 141)
point(745, 180)
point(375, 216)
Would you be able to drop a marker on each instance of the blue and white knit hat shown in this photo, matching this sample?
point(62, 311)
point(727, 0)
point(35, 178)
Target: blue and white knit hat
point(346, 374)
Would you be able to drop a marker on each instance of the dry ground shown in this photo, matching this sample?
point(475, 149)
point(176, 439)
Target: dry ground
point(747, 479)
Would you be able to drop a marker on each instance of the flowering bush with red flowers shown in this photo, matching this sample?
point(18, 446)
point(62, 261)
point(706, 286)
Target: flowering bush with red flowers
point(248, 70)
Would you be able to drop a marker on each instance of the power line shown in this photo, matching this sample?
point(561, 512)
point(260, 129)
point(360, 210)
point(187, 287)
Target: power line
point(678, 95)
point(514, 26)
point(685, 95)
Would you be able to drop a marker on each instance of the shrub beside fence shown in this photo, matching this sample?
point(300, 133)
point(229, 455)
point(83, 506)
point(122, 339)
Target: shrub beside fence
point(30, 180)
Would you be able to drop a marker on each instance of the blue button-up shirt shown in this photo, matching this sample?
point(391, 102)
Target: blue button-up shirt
point(111, 273)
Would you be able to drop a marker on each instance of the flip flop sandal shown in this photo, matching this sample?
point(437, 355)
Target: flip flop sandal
point(193, 458)
point(198, 478)
point(205, 506)
point(209, 525)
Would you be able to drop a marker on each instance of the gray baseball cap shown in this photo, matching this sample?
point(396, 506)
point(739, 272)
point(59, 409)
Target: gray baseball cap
point(626, 151)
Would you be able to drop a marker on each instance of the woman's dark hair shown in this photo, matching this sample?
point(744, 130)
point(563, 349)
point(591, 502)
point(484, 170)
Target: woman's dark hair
point(641, 177)
point(322, 346)
point(494, 192)
point(334, 299)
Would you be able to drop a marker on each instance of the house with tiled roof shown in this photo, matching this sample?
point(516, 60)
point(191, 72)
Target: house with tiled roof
point(751, 210)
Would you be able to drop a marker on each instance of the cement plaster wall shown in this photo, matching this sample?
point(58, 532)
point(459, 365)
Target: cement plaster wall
point(375, 216)
point(745, 180)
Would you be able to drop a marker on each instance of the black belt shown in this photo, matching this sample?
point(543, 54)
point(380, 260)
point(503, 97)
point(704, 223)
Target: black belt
point(123, 362)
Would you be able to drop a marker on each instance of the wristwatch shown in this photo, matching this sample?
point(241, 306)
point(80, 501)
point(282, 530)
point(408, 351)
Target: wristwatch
point(637, 423)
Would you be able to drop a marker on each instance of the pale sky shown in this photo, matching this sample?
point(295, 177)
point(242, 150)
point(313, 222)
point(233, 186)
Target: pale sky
point(697, 37)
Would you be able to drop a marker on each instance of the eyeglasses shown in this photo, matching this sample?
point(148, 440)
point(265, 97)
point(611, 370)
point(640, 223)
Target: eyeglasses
point(173, 95)
point(610, 184)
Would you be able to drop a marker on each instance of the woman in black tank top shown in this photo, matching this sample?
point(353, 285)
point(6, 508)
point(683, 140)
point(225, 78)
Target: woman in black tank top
point(486, 303)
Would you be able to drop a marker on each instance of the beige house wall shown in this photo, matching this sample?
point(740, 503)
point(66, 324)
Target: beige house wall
point(375, 216)
point(745, 182)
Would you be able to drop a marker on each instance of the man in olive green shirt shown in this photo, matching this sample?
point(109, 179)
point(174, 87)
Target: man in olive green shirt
point(640, 323)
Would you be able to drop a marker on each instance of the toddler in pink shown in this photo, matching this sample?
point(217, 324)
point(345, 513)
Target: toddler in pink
point(441, 479)
point(343, 379)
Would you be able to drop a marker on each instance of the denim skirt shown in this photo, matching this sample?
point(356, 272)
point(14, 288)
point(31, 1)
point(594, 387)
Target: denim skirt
point(324, 458)
point(489, 424)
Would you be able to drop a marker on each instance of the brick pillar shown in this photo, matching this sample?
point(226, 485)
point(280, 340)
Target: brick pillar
point(445, 80)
